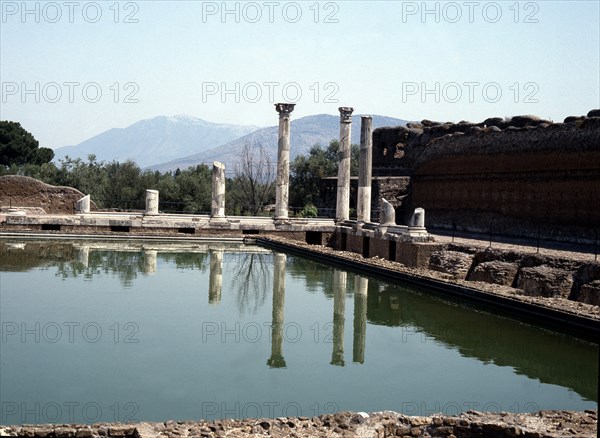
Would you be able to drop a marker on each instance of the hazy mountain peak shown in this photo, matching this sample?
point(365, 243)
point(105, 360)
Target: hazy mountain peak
point(156, 140)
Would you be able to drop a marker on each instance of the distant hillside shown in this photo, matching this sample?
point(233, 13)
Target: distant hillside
point(154, 141)
point(305, 133)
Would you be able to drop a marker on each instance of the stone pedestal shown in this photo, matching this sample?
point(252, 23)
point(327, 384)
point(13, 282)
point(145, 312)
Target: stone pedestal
point(339, 310)
point(277, 323)
point(361, 286)
point(83, 205)
point(151, 202)
point(215, 279)
point(218, 191)
point(342, 210)
point(282, 189)
point(363, 208)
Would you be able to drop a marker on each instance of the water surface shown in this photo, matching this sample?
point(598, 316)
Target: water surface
point(104, 331)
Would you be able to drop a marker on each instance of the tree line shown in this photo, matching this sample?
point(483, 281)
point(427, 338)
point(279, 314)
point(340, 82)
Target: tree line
point(121, 186)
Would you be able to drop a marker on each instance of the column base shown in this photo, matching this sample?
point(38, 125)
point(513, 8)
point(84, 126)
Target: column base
point(417, 231)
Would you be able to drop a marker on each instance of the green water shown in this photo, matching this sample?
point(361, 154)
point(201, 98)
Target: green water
point(128, 332)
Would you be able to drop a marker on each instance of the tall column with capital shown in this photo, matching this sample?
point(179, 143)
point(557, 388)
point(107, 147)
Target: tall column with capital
point(339, 310)
point(277, 360)
point(342, 211)
point(361, 286)
point(282, 189)
point(363, 208)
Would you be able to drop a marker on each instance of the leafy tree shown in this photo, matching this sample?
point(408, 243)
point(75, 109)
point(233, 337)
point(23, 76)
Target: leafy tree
point(253, 186)
point(19, 147)
point(308, 170)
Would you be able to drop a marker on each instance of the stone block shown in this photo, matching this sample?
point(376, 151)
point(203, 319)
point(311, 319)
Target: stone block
point(545, 281)
point(454, 263)
point(590, 293)
point(495, 272)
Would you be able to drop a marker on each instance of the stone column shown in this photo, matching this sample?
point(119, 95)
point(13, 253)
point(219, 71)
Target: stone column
point(218, 191)
point(339, 309)
point(282, 190)
point(361, 286)
point(83, 205)
point(416, 226)
point(342, 211)
point(215, 279)
point(276, 360)
point(418, 218)
point(363, 209)
point(151, 202)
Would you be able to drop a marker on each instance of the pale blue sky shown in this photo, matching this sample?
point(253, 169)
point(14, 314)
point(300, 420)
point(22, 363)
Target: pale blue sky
point(378, 57)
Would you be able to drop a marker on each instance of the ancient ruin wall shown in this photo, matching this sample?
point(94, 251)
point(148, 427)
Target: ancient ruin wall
point(22, 191)
point(535, 177)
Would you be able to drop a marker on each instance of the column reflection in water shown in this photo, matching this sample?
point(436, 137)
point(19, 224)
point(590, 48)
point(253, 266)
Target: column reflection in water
point(276, 360)
point(339, 307)
point(150, 257)
point(215, 280)
point(361, 286)
point(82, 255)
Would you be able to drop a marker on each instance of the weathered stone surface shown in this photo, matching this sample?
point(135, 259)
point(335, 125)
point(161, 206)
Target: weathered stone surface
point(545, 281)
point(346, 424)
point(22, 191)
point(594, 113)
point(586, 273)
point(495, 272)
point(571, 119)
point(454, 263)
point(590, 293)
point(528, 120)
point(476, 179)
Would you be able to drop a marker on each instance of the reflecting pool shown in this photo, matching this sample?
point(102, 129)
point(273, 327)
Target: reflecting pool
point(127, 331)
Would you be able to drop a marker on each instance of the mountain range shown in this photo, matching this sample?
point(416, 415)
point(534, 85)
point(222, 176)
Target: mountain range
point(156, 140)
point(167, 143)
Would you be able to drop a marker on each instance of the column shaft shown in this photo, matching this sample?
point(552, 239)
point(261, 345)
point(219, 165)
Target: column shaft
point(282, 189)
point(218, 190)
point(363, 208)
point(342, 211)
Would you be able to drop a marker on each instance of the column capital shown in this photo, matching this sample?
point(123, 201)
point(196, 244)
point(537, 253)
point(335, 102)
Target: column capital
point(345, 114)
point(284, 109)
